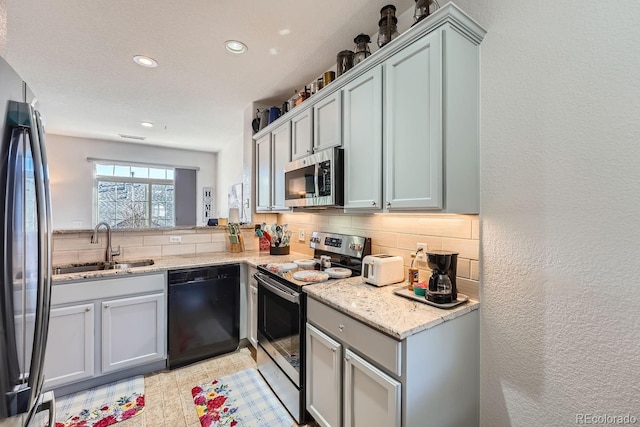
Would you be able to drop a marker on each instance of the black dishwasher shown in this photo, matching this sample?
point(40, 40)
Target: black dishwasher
point(204, 313)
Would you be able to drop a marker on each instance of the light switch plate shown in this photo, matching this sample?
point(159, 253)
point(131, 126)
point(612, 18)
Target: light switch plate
point(301, 235)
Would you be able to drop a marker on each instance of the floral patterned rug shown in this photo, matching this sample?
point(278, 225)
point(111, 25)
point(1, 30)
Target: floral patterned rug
point(102, 406)
point(242, 399)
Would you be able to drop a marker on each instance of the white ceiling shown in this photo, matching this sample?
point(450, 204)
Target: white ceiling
point(76, 55)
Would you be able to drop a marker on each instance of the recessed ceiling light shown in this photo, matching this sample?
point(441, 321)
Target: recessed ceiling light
point(145, 61)
point(234, 46)
point(284, 32)
point(147, 124)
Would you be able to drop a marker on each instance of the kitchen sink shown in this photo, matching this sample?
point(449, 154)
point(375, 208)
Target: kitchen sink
point(98, 266)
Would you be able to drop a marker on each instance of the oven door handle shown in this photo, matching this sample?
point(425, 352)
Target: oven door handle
point(273, 286)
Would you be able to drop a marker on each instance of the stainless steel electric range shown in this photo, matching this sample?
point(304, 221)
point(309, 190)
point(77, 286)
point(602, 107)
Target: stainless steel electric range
point(282, 314)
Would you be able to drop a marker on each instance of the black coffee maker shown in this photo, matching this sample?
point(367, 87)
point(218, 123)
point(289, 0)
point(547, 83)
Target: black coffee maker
point(442, 283)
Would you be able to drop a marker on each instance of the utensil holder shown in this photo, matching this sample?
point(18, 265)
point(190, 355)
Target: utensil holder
point(237, 247)
point(279, 250)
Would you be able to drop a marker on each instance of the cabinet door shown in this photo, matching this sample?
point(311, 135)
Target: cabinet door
point(281, 155)
point(363, 141)
point(133, 331)
point(70, 345)
point(263, 173)
point(327, 122)
point(413, 123)
point(371, 397)
point(324, 378)
point(253, 315)
point(301, 135)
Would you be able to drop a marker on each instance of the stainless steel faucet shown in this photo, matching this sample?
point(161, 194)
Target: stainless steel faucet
point(94, 239)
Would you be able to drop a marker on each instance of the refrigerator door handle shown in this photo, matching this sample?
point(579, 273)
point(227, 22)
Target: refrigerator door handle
point(36, 372)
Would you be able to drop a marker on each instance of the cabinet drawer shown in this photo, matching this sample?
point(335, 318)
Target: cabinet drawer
point(65, 293)
point(375, 345)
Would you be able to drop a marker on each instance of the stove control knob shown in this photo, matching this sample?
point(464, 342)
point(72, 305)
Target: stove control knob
point(355, 246)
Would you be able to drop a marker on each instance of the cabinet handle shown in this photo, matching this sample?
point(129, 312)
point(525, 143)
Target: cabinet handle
point(347, 358)
point(106, 306)
point(388, 204)
point(87, 309)
point(341, 327)
point(334, 349)
point(373, 203)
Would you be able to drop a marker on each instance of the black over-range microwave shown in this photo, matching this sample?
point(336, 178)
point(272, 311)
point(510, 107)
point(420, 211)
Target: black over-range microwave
point(316, 180)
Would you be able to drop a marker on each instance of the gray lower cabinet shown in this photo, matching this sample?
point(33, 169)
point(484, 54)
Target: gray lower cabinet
point(133, 331)
point(371, 397)
point(344, 388)
point(358, 376)
point(71, 343)
point(324, 377)
point(252, 310)
point(102, 326)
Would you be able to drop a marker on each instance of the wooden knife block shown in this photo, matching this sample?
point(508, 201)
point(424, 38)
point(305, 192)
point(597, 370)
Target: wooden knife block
point(237, 247)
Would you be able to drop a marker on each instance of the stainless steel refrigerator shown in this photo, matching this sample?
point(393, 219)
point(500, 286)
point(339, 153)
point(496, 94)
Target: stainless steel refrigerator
point(25, 254)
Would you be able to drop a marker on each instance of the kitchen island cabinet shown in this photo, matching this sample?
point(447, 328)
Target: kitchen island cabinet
point(376, 349)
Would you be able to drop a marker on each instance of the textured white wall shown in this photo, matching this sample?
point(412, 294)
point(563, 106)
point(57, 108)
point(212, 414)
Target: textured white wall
point(72, 175)
point(560, 210)
point(229, 173)
point(3, 28)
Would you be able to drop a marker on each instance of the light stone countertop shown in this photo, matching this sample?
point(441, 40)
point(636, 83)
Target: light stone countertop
point(252, 258)
point(381, 309)
point(377, 307)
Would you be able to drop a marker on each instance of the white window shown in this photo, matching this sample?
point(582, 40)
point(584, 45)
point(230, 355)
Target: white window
point(134, 196)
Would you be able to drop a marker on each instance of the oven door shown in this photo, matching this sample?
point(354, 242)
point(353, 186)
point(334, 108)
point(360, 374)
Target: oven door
point(280, 317)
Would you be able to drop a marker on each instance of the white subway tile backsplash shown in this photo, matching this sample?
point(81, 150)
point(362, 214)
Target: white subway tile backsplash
point(92, 255)
point(80, 243)
point(475, 270)
point(410, 241)
point(399, 235)
point(195, 238)
point(141, 252)
point(178, 249)
point(64, 257)
point(463, 269)
point(466, 248)
point(211, 247)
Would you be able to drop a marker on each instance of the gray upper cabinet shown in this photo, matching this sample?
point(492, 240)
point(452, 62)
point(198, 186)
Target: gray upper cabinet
point(327, 122)
point(302, 134)
point(273, 152)
point(408, 118)
point(263, 173)
point(363, 141)
point(413, 126)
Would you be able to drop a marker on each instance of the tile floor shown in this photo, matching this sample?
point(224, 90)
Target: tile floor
point(168, 401)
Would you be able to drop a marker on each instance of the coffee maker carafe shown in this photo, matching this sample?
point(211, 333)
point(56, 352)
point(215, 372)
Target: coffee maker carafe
point(442, 283)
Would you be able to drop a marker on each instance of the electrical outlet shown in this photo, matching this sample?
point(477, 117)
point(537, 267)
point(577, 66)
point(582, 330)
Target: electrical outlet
point(421, 256)
point(175, 239)
point(301, 235)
